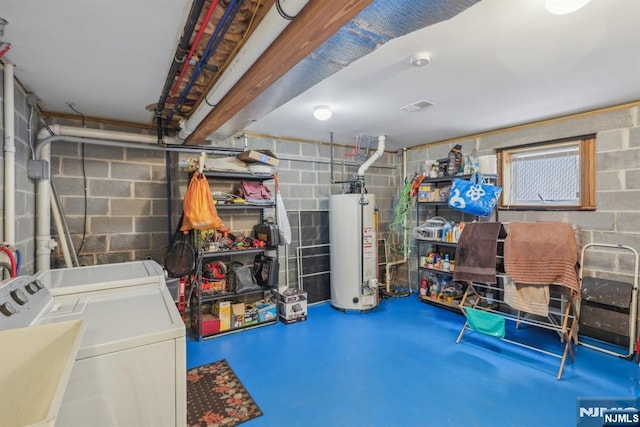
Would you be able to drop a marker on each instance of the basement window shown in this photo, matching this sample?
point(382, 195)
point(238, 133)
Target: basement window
point(554, 175)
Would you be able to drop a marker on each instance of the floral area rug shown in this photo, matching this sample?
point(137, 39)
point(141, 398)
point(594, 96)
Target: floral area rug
point(216, 397)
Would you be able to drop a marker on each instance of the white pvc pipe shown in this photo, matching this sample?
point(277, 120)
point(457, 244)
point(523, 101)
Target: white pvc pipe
point(103, 134)
point(363, 168)
point(269, 29)
point(44, 244)
point(9, 158)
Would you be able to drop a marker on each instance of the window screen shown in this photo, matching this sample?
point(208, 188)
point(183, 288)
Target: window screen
point(547, 176)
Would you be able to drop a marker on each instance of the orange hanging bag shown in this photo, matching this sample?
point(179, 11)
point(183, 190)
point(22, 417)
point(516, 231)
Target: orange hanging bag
point(199, 211)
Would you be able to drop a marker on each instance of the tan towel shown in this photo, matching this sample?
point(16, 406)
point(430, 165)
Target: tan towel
point(542, 253)
point(476, 253)
point(532, 299)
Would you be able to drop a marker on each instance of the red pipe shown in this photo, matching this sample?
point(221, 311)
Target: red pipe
point(5, 49)
point(12, 259)
point(185, 64)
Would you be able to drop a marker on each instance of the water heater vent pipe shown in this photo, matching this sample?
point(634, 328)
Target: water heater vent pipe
point(375, 156)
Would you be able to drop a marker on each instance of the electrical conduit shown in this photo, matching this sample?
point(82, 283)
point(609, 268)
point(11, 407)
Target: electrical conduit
point(269, 29)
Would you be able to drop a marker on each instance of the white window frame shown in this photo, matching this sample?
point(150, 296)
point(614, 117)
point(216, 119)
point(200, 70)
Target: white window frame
point(583, 184)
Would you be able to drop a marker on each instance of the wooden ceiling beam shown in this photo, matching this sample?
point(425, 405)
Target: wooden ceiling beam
point(315, 23)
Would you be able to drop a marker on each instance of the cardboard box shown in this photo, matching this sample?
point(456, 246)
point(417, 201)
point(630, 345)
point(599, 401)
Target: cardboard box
point(262, 156)
point(237, 315)
point(294, 320)
point(292, 307)
point(222, 309)
point(250, 315)
point(266, 312)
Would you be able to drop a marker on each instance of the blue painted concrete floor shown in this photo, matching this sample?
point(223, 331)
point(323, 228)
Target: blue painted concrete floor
point(399, 365)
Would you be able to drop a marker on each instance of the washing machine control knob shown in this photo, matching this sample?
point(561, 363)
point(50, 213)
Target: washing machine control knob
point(19, 296)
point(32, 288)
point(7, 309)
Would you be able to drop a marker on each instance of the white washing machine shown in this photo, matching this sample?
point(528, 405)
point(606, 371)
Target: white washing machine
point(130, 368)
point(62, 281)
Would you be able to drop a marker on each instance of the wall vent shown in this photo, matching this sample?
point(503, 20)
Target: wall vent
point(418, 105)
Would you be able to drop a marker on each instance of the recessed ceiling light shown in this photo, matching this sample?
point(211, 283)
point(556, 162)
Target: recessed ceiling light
point(322, 112)
point(564, 7)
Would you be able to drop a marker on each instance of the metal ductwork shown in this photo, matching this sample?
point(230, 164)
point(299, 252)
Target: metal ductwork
point(378, 23)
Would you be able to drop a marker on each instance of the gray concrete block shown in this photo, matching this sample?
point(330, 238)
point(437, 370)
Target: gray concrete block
point(66, 185)
point(129, 242)
point(612, 238)
point(609, 180)
point(149, 190)
point(611, 140)
point(628, 222)
point(92, 243)
point(111, 188)
point(159, 173)
point(91, 168)
point(65, 149)
point(92, 151)
point(634, 137)
point(147, 224)
point(75, 205)
point(130, 171)
point(618, 200)
point(145, 156)
point(308, 150)
point(591, 220)
point(286, 147)
point(309, 204)
point(130, 207)
point(617, 160)
point(110, 225)
point(159, 207)
point(114, 257)
point(632, 179)
point(309, 177)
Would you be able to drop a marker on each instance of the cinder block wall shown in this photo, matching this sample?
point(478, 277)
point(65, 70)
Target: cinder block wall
point(25, 188)
point(616, 219)
point(126, 200)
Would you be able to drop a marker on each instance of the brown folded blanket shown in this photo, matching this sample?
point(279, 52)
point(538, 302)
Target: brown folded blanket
point(542, 253)
point(476, 253)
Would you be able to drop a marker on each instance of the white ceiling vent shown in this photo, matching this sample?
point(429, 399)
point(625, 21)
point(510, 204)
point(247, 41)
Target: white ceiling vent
point(419, 105)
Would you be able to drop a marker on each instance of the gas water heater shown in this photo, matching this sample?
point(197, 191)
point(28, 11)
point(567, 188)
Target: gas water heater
point(353, 252)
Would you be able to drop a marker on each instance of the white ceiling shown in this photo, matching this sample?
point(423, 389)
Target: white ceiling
point(498, 64)
point(108, 58)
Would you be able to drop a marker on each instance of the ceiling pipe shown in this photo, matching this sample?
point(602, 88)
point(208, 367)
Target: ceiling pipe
point(110, 135)
point(186, 62)
point(274, 22)
point(183, 46)
point(212, 45)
